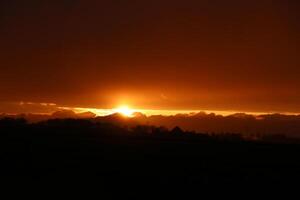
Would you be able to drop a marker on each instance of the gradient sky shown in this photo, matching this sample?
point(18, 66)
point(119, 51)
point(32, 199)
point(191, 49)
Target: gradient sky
point(155, 54)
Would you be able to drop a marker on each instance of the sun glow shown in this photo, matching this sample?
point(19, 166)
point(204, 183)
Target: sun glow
point(125, 110)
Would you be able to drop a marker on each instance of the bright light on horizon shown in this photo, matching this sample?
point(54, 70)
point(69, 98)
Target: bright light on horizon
point(125, 110)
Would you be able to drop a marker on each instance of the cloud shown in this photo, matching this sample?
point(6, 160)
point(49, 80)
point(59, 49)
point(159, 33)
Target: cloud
point(28, 107)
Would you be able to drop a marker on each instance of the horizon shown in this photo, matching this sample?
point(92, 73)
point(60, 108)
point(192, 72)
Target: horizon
point(147, 112)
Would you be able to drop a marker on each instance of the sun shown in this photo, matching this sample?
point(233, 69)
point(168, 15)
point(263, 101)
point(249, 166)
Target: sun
point(125, 110)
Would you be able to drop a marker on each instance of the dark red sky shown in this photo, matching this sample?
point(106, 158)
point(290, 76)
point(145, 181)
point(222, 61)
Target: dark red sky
point(163, 54)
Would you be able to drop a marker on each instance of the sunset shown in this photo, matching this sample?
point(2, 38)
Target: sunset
point(150, 92)
point(125, 110)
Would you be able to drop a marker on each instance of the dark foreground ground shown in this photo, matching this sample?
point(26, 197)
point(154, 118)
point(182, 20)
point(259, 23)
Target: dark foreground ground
point(65, 153)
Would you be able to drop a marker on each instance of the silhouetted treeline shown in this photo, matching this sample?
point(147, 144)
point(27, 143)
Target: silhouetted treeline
point(125, 156)
point(117, 125)
point(249, 125)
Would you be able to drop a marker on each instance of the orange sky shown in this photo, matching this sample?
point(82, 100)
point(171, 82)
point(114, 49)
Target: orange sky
point(157, 55)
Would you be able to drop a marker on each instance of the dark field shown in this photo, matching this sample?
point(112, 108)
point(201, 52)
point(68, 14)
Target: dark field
point(144, 158)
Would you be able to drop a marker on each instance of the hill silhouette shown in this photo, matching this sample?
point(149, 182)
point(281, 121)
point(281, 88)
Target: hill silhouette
point(241, 123)
point(122, 156)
